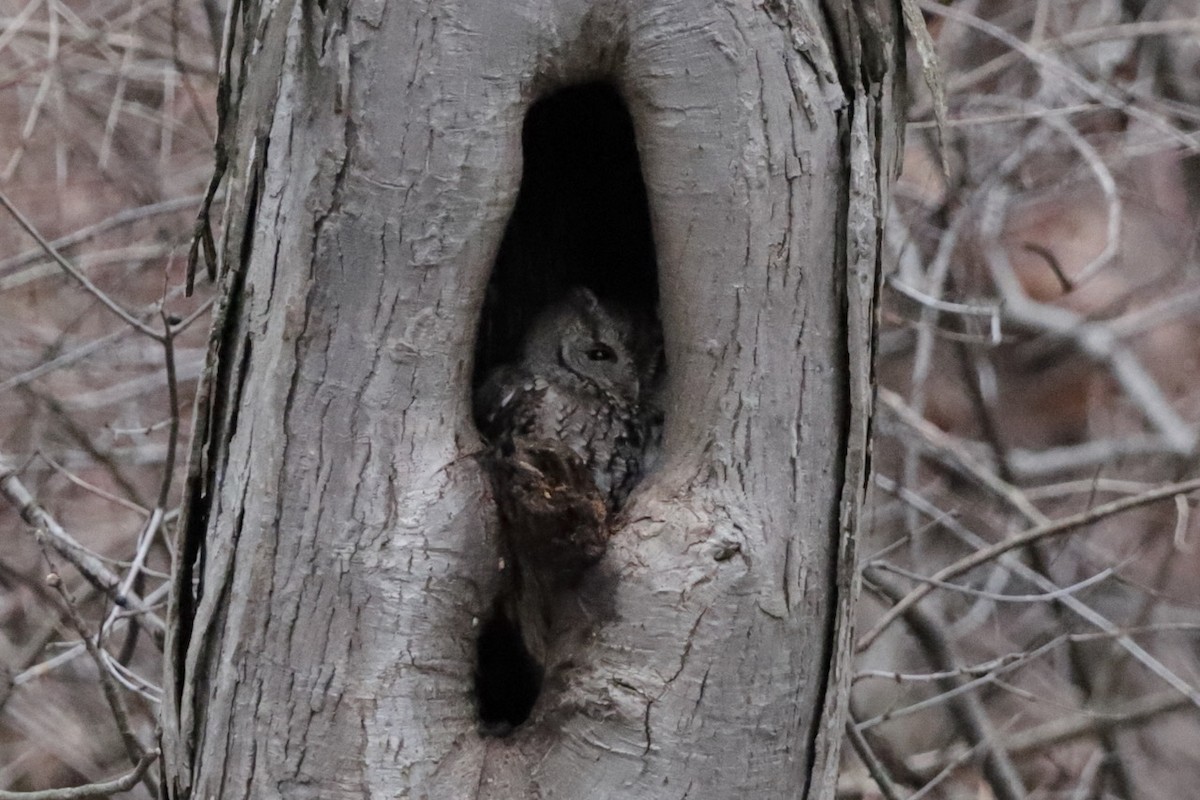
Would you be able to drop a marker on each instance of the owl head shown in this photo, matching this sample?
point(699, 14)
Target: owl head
point(583, 337)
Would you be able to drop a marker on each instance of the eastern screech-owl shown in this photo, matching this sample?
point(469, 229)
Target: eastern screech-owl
point(577, 383)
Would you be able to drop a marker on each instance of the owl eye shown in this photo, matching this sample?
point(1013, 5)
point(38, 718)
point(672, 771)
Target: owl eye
point(601, 352)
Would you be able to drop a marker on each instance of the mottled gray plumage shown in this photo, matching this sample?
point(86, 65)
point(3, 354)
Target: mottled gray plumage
point(576, 384)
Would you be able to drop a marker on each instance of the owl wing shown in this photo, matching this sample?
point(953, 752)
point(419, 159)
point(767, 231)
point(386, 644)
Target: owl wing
point(625, 458)
point(507, 403)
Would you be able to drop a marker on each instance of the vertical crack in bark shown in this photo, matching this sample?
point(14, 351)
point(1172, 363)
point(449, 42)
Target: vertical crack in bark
point(869, 123)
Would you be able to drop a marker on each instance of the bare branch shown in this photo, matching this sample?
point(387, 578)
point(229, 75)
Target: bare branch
point(1093, 339)
point(967, 710)
point(124, 217)
point(887, 787)
point(1036, 578)
point(70, 269)
point(112, 695)
point(67, 547)
point(102, 789)
point(997, 597)
point(1035, 534)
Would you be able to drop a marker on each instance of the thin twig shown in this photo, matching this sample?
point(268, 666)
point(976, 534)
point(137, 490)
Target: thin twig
point(92, 488)
point(67, 547)
point(127, 216)
point(1025, 655)
point(879, 774)
point(70, 269)
point(1074, 604)
point(997, 597)
point(102, 789)
point(1035, 534)
point(965, 706)
point(35, 671)
point(116, 703)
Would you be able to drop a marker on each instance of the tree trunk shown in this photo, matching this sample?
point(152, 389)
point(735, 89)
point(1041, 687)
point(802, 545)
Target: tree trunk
point(341, 551)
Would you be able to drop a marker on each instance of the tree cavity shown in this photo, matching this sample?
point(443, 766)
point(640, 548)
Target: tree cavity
point(568, 358)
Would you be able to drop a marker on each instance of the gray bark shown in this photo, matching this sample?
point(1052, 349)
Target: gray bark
point(341, 549)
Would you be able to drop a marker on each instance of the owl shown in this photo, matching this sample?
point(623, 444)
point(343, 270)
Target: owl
point(576, 385)
point(567, 428)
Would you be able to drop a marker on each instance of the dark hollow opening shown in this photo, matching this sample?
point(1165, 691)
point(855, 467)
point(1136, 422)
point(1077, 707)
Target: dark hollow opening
point(507, 678)
point(581, 219)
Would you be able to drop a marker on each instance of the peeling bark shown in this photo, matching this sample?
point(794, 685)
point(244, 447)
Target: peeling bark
point(341, 541)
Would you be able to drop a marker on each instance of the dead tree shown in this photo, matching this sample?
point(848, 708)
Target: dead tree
point(407, 183)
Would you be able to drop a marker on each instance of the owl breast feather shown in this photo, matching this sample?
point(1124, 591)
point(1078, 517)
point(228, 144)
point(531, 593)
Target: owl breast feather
point(599, 428)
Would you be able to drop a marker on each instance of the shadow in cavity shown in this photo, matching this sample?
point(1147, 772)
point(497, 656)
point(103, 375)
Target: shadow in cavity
point(581, 219)
point(507, 678)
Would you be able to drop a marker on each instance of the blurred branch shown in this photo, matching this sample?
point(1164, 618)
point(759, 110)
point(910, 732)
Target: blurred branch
point(64, 360)
point(1029, 536)
point(1089, 723)
point(116, 704)
point(1037, 740)
point(990, 69)
point(1094, 339)
point(122, 218)
point(1085, 455)
point(1108, 186)
point(1049, 65)
point(103, 789)
point(66, 546)
point(1080, 608)
point(70, 269)
point(879, 774)
point(966, 708)
point(951, 451)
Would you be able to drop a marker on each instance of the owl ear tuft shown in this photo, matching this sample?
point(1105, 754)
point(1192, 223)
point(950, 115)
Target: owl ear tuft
point(584, 299)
